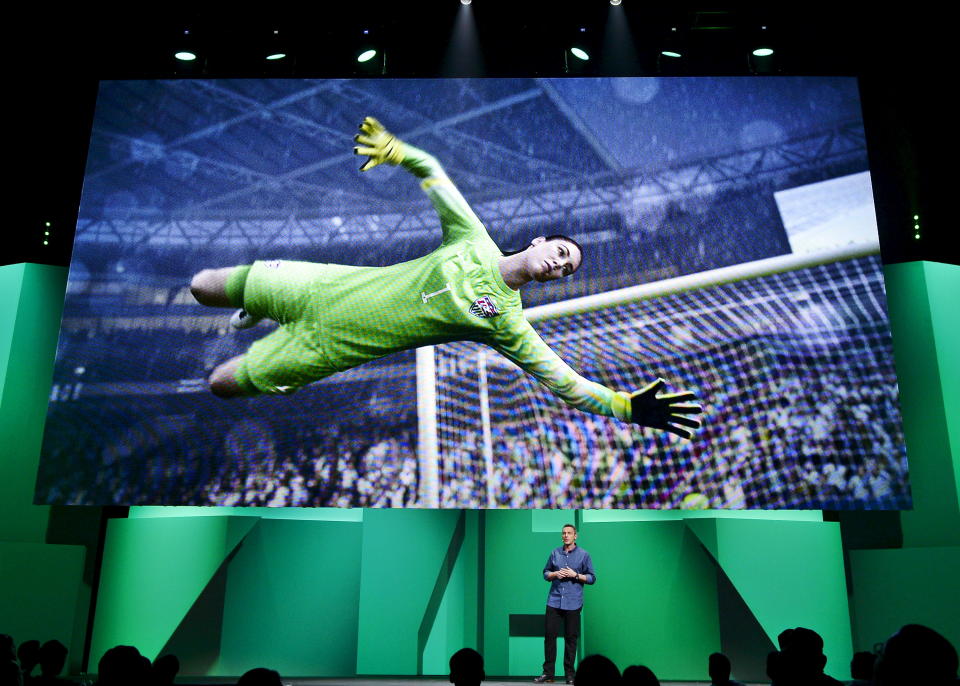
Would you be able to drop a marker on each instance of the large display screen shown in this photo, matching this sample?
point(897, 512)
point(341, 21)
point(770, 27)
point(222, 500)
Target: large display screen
point(729, 246)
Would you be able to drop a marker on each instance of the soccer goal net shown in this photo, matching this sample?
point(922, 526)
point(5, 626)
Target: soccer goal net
point(791, 358)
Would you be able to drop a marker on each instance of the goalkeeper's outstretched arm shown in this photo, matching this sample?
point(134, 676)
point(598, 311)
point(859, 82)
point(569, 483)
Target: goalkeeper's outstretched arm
point(672, 412)
point(380, 146)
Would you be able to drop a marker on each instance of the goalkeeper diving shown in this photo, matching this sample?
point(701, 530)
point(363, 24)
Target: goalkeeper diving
point(334, 317)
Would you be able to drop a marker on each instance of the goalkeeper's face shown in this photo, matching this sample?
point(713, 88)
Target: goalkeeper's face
point(550, 259)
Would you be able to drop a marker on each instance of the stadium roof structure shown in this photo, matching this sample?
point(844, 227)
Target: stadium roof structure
point(186, 161)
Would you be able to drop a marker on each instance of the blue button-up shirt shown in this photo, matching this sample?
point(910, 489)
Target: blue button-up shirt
point(567, 594)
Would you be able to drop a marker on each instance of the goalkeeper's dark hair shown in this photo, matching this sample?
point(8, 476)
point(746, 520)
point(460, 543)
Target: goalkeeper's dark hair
point(551, 237)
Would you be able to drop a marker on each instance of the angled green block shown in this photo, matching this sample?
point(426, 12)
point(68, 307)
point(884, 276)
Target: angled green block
point(291, 598)
point(655, 600)
point(153, 570)
point(402, 558)
point(789, 574)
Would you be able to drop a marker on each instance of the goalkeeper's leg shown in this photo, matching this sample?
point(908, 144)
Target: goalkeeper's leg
point(210, 286)
point(231, 379)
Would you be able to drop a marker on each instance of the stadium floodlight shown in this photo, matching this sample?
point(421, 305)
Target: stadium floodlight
point(615, 3)
point(366, 55)
point(465, 2)
point(580, 53)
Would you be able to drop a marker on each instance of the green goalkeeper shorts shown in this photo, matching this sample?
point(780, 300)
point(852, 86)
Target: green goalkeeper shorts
point(291, 356)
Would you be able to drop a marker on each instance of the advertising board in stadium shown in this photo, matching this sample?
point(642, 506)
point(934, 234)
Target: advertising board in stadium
point(729, 247)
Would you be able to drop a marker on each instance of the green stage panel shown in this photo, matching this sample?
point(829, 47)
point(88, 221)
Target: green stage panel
point(943, 284)
point(291, 598)
point(39, 590)
point(905, 586)
point(455, 624)
point(408, 559)
point(923, 320)
point(152, 573)
point(514, 552)
point(655, 600)
point(788, 574)
point(29, 324)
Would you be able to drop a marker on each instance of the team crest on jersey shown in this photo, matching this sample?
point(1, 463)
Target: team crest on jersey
point(484, 307)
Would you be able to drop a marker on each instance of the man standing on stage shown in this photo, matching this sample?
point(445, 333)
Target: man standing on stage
point(568, 568)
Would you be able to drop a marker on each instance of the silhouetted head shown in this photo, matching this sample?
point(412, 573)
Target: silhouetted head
point(466, 668)
point(260, 676)
point(120, 666)
point(29, 655)
point(596, 670)
point(639, 675)
point(53, 656)
point(917, 655)
point(8, 650)
point(718, 666)
point(861, 666)
point(165, 668)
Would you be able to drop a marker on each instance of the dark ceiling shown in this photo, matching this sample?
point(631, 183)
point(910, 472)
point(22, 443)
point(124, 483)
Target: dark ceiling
point(903, 60)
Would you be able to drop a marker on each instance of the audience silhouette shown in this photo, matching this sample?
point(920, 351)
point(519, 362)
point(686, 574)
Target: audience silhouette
point(916, 654)
point(718, 666)
point(29, 656)
point(466, 668)
point(164, 670)
point(9, 667)
point(596, 670)
point(861, 668)
point(53, 657)
point(260, 676)
point(803, 659)
point(639, 675)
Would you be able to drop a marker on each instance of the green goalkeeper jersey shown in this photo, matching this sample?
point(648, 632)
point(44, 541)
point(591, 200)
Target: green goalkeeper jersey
point(454, 293)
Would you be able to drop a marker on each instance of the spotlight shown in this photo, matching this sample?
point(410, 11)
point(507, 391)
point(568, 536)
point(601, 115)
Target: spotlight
point(615, 2)
point(465, 2)
point(366, 55)
point(186, 53)
point(579, 53)
point(763, 52)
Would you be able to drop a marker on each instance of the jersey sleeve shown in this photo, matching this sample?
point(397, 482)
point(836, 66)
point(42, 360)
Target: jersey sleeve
point(523, 346)
point(458, 220)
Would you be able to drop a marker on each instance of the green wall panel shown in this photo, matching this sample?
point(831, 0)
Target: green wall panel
point(455, 625)
point(922, 302)
point(402, 569)
point(789, 574)
point(39, 590)
point(655, 600)
point(943, 285)
point(153, 570)
point(513, 584)
point(29, 323)
point(291, 599)
point(906, 586)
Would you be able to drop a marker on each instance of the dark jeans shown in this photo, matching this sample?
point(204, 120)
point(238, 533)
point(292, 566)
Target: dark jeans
point(569, 620)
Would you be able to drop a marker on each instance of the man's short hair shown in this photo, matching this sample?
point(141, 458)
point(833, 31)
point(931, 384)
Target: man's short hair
point(568, 525)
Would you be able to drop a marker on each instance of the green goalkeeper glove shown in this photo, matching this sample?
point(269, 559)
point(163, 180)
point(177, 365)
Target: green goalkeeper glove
point(664, 412)
point(379, 145)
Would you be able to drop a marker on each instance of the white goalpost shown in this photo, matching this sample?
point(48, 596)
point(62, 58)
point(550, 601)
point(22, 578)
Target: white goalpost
point(750, 339)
